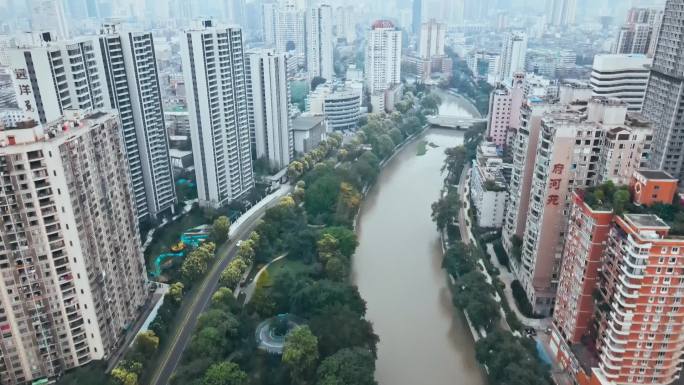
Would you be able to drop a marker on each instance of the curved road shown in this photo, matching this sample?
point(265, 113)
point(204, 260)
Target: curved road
point(201, 298)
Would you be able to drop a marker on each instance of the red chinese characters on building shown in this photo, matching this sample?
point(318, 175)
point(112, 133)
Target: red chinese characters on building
point(555, 184)
point(558, 168)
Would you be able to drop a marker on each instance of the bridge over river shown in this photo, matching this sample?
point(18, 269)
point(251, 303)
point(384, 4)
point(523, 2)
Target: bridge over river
point(455, 112)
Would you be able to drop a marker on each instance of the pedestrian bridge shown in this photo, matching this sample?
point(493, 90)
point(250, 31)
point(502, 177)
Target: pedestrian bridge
point(453, 122)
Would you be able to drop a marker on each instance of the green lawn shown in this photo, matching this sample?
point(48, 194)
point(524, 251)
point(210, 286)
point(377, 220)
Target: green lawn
point(285, 265)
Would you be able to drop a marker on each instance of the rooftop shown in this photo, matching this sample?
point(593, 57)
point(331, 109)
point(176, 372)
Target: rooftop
point(306, 122)
point(30, 132)
point(646, 220)
point(656, 174)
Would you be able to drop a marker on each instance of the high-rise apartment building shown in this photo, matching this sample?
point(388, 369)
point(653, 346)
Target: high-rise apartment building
point(504, 110)
point(268, 22)
point(513, 52)
point(48, 16)
point(488, 185)
point(664, 98)
point(561, 12)
point(115, 69)
point(319, 42)
point(290, 32)
point(215, 76)
point(234, 12)
point(639, 31)
point(524, 151)
point(417, 16)
point(621, 76)
point(570, 154)
point(383, 56)
point(618, 318)
point(345, 24)
point(130, 69)
point(53, 76)
point(268, 94)
point(432, 39)
point(70, 254)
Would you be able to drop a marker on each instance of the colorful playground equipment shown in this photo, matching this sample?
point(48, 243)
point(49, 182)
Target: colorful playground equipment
point(190, 239)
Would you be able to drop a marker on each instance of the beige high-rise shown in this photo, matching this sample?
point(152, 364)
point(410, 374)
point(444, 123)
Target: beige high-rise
point(73, 275)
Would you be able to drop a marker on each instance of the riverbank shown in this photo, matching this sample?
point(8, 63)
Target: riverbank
point(477, 290)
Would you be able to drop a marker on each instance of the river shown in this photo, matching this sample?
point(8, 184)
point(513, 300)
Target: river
point(397, 268)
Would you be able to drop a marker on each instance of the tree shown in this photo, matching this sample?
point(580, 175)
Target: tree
point(315, 297)
point(455, 160)
point(511, 360)
point(295, 170)
point(232, 275)
point(194, 266)
point(146, 345)
point(445, 210)
point(321, 196)
point(300, 354)
point(338, 327)
point(246, 251)
point(347, 204)
point(220, 229)
point(328, 244)
point(225, 373)
point(354, 366)
point(223, 296)
point(336, 268)
point(346, 239)
point(316, 81)
point(127, 372)
point(385, 146)
point(396, 136)
point(124, 377)
point(411, 125)
point(176, 292)
point(474, 296)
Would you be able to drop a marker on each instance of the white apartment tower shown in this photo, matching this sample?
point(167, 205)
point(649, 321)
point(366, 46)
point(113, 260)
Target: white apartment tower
point(513, 54)
point(268, 22)
point(504, 110)
point(113, 70)
point(290, 31)
point(345, 24)
point(383, 56)
point(48, 16)
point(130, 68)
point(432, 39)
point(319, 42)
point(72, 265)
point(561, 12)
point(624, 77)
point(215, 75)
point(269, 95)
point(50, 77)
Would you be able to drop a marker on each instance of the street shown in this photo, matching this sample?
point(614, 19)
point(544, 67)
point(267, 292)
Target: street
point(209, 284)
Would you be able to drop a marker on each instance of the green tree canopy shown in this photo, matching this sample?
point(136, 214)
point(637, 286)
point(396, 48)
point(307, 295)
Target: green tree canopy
point(339, 327)
point(300, 354)
point(225, 373)
point(220, 229)
point(354, 366)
